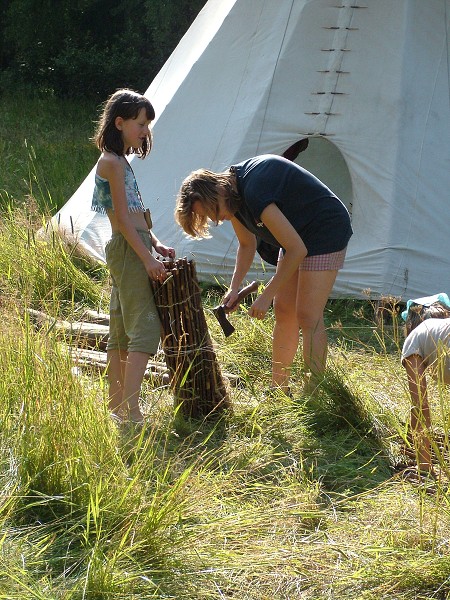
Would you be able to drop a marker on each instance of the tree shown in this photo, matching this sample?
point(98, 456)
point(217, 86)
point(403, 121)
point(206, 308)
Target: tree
point(91, 47)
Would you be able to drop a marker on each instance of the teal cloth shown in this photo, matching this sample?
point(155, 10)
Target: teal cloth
point(102, 200)
point(426, 301)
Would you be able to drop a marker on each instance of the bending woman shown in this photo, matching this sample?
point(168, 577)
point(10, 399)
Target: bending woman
point(272, 199)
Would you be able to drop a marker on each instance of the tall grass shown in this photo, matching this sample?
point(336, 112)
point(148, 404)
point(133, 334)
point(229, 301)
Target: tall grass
point(39, 270)
point(283, 498)
point(81, 503)
point(45, 152)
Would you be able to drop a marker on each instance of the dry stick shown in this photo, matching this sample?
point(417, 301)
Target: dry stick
point(171, 326)
point(215, 380)
point(166, 306)
point(198, 375)
point(194, 370)
point(200, 371)
point(196, 378)
point(185, 341)
point(177, 332)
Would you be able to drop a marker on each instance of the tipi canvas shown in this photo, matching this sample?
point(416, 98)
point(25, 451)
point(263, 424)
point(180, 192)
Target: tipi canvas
point(365, 82)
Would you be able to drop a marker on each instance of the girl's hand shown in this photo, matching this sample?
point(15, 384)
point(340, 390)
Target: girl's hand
point(166, 251)
point(259, 308)
point(156, 270)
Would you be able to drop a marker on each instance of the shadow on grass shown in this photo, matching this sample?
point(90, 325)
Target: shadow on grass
point(181, 441)
point(331, 437)
point(349, 445)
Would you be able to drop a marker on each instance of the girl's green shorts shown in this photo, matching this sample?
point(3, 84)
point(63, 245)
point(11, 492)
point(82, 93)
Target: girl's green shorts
point(134, 323)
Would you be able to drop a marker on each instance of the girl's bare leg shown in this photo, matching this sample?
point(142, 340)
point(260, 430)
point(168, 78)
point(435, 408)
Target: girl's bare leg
point(134, 375)
point(117, 360)
point(420, 410)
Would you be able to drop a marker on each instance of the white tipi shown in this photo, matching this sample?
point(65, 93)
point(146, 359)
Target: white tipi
point(366, 82)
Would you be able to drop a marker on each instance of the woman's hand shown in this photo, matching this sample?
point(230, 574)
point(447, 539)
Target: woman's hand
point(260, 306)
point(229, 300)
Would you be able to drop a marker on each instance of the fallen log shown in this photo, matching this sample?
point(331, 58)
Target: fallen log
point(85, 335)
point(93, 316)
point(92, 359)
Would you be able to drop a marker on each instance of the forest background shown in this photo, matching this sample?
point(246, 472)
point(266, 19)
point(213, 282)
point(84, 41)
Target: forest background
point(58, 64)
point(88, 48)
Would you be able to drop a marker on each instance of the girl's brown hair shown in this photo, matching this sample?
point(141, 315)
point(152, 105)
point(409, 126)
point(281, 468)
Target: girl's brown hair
point(126, 104)
point(205, 187)
point(417, 313)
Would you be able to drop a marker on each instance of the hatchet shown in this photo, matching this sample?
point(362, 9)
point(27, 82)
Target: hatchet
point(221, 311)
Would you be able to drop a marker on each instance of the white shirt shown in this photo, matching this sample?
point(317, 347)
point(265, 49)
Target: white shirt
point(431, 341)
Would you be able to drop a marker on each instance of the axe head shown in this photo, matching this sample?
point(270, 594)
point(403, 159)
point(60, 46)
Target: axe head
point(222, 311)
point(221, 316)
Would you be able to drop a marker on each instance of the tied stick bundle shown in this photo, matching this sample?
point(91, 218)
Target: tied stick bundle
point(195, 375)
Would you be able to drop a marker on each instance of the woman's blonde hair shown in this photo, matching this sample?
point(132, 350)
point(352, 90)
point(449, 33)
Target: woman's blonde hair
point(205, 187)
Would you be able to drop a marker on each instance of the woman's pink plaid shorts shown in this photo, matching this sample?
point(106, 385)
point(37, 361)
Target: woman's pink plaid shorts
point(322, 262)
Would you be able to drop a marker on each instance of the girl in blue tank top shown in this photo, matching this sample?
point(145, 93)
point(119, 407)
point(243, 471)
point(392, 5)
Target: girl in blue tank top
point(134, 330)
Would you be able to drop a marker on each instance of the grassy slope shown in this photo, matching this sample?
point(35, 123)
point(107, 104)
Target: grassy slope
point(284, 498)
point(45, 150)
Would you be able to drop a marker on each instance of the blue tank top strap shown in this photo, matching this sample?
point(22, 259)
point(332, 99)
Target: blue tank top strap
point(134, 198)
point(101, 197)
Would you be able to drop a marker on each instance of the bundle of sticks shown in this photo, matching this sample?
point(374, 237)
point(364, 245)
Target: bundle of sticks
point(196, 379)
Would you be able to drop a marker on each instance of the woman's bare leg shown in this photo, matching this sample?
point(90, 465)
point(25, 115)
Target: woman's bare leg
point(285, 333)
point(314, 289)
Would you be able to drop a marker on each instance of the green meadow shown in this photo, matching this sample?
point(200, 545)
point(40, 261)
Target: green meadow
point(281, 498)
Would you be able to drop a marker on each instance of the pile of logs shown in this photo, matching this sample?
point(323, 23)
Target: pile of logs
point(86, 340)
point(196, 380)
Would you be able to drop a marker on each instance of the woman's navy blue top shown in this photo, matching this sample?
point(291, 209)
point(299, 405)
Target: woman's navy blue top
point(319, 217)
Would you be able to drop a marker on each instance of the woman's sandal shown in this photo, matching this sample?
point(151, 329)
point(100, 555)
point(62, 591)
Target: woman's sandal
point(440, 439)
point(425, 478)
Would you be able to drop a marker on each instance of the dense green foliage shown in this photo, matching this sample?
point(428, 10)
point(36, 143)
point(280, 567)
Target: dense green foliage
point(85, 48)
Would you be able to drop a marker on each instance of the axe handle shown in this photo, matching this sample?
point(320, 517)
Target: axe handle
point(243, 293)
